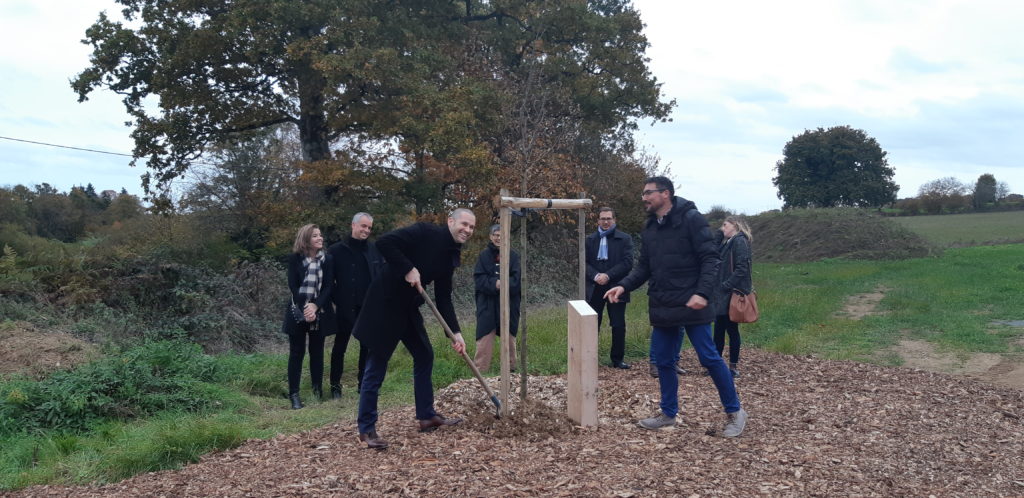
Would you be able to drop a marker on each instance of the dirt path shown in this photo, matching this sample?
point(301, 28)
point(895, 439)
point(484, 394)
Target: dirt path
point(817, 427)
point(1001, 369)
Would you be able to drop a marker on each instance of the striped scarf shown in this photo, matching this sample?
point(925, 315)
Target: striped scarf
point(310, 288)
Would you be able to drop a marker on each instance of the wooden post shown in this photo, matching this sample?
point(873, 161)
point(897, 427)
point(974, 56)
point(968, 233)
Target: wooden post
point(583, 251)
point(505, 219)
point(582, 388)
point(522, 309)
point(520, 202)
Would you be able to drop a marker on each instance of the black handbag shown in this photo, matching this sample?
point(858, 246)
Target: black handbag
point(295, 313)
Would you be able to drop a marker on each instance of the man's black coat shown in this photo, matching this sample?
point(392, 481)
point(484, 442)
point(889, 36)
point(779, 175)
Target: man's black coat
point(391, 306)
point(344, 295)
point(678, 259)
point(620, 255)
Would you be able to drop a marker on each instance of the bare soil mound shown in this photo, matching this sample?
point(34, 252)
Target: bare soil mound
point(799, 235)
point(26, 349)
point(817, 428)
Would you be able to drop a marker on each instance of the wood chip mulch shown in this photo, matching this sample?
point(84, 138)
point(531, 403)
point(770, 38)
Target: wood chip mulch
point(816, 427)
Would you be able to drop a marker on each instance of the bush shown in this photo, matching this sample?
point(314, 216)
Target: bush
point(153, 377)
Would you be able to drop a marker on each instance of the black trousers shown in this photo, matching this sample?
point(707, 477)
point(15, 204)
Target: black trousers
point(338, 354)
point(724, 325)
point(296, 353)
point(416, 342)
point(616, 317)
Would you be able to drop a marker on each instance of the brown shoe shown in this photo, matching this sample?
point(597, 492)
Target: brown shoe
point(436, 421)
point(373, 441)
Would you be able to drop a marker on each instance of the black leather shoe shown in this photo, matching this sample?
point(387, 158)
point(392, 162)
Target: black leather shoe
point(620, 364)
point(654, 370)
point(296, 402)
point(335, 392)
point(318, 392)
point(436, 421)
point(373, 441)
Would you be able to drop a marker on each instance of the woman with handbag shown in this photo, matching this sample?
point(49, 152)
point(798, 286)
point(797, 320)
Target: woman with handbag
point(309, 311)
point(734, 276)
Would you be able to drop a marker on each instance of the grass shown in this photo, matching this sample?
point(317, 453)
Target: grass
point(950, 301)
point(973, 229)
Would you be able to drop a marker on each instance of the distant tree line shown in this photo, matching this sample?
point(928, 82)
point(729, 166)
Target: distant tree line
point(948, 195)
point(66, 216)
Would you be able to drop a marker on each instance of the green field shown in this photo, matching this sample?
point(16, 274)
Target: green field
point(952, 301)
point(973, 229)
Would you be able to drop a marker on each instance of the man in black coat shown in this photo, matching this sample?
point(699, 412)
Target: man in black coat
point(679, 260)
point(356, 263)
point(609, 259)
point(416, 256)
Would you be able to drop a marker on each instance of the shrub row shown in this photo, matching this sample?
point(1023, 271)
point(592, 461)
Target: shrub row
point(152, 377)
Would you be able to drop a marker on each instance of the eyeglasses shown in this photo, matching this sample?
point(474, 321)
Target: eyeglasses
point(653, 190)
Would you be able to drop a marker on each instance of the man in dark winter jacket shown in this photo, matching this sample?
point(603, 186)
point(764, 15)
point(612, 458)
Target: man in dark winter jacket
point(609, 258)
point(416, 256)
point(679, 260)
point(356, 263)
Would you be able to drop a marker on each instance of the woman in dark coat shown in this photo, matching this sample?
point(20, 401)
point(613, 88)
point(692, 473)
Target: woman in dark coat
point(310, 278)
point(488, 316)
point(733, 273)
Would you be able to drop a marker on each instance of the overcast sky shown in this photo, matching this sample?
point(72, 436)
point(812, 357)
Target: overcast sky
point(939, 84)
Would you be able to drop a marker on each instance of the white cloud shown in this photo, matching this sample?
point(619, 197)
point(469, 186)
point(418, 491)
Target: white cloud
point(939, 84)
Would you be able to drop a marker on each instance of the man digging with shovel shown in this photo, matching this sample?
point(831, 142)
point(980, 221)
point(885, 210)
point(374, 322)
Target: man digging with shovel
point(416, 256)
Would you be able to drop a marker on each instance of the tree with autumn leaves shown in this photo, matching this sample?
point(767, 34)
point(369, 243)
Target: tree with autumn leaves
point(439, 102)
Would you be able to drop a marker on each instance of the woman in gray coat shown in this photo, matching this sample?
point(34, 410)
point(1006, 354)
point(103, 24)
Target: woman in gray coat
point(733, 274)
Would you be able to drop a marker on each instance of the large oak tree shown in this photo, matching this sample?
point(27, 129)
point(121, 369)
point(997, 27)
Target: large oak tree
point(425, 78)
point(840, 166)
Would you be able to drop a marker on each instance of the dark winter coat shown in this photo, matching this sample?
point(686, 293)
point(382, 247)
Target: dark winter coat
point(296, 274)
point(678, 259)
point(346, 261)
point(485, 277)
point(734, 271)
point(391, 308)
point(620, 256)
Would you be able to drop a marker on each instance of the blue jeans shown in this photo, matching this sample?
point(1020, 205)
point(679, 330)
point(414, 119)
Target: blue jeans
point(377, 366)
point(665, 342)
point(650, 354)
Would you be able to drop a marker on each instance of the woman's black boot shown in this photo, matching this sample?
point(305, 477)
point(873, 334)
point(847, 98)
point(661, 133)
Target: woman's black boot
point(318, 392)
point(296, 402)
point(335, 391)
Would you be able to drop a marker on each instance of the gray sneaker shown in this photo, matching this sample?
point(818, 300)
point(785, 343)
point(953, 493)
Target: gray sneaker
point(658, 421)
point(735, 423)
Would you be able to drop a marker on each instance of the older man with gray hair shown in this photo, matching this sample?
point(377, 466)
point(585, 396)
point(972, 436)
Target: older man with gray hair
point(356, 263)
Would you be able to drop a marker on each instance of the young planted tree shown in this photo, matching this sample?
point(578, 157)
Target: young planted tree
point(840, 166)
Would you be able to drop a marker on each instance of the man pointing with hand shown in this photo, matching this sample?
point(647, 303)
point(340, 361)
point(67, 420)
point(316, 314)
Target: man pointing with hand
point(679, 259)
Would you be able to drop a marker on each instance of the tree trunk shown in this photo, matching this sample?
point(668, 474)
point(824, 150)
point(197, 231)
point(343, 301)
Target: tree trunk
point(312, 121)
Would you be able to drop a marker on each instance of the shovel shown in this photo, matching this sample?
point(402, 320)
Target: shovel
point(465, 356)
